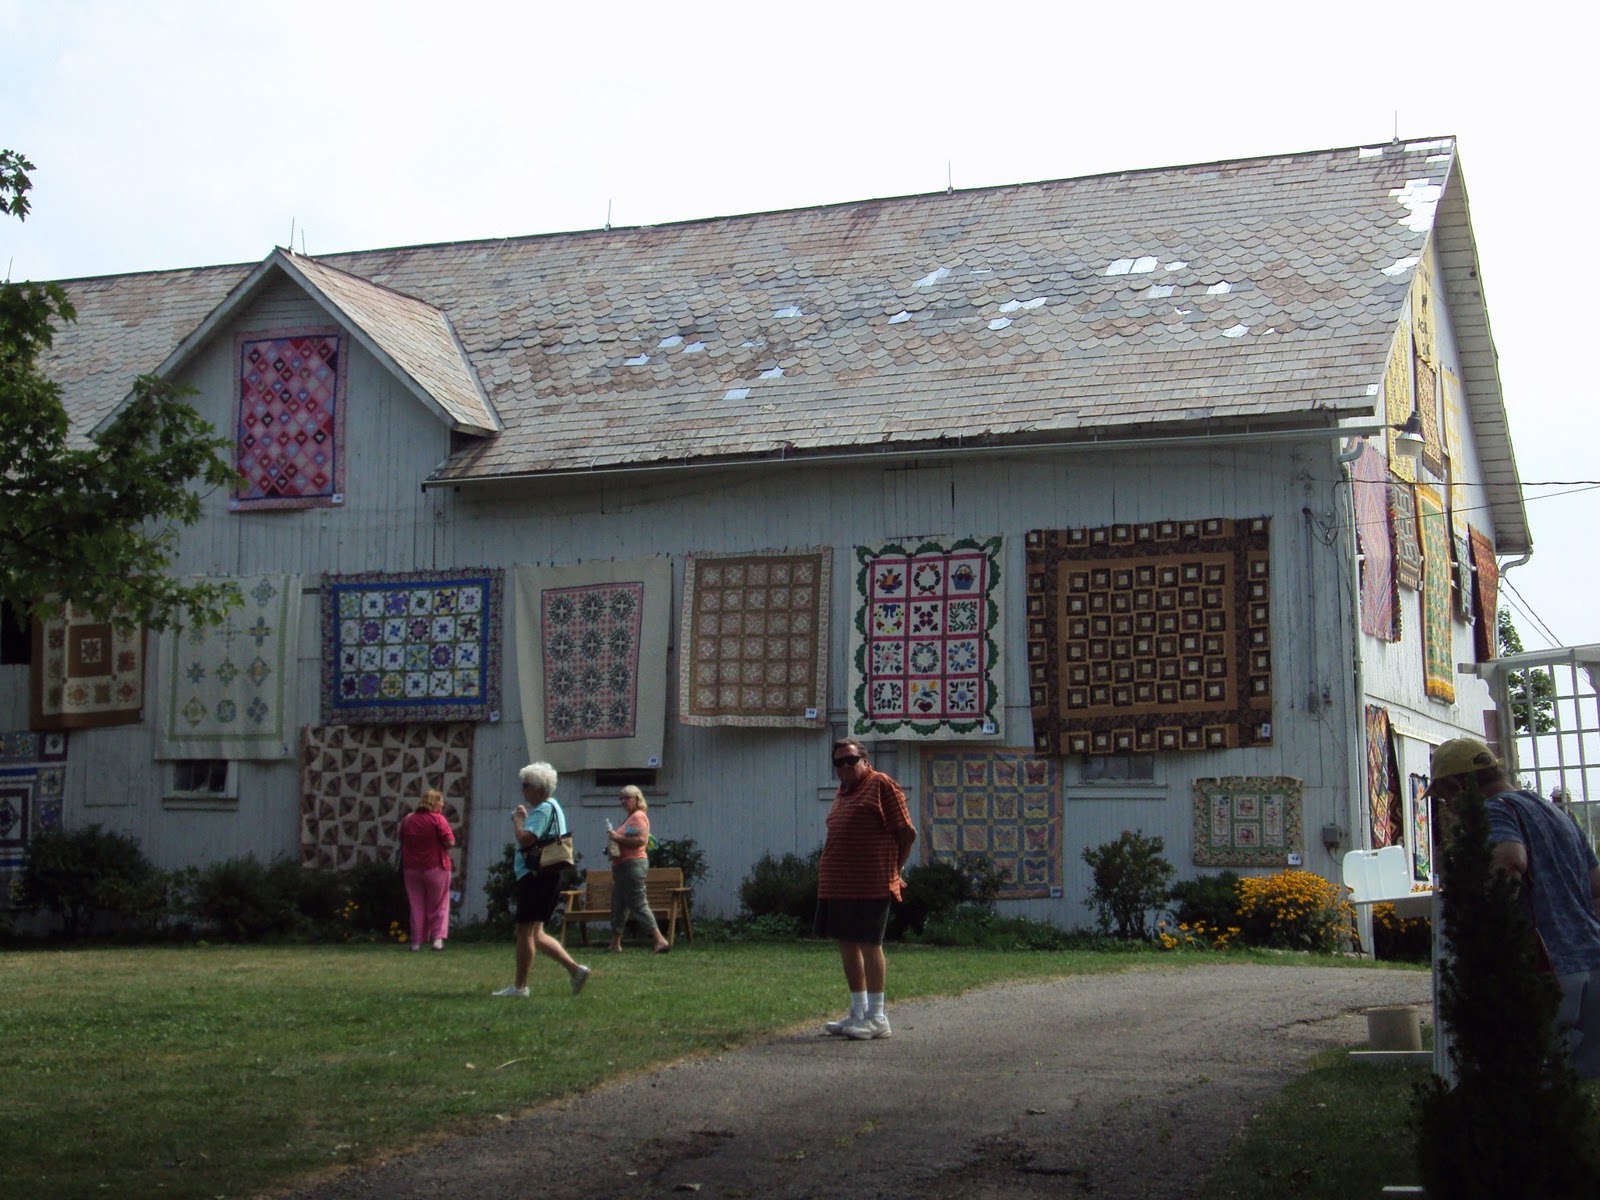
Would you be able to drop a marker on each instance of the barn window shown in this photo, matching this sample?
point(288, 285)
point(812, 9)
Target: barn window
point(1117, 768)
point(16, 649)
point(622, 777)
point(203, 780)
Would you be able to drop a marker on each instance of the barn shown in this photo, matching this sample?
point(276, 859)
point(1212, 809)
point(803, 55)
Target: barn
point(1168, 500)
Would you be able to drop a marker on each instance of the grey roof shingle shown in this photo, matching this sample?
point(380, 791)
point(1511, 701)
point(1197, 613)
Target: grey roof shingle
point(1261, 292)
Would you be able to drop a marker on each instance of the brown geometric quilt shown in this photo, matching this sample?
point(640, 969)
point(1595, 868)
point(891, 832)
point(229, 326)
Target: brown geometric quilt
point(357, 781)
point(754, 636)
point(1150, 637)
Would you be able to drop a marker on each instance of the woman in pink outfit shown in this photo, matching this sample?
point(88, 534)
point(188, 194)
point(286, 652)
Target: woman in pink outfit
point(425, 841)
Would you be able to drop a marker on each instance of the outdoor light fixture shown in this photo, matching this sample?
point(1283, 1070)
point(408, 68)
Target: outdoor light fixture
point(1408, 437)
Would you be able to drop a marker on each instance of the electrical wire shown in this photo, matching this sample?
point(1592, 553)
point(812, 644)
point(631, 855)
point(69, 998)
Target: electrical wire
point(1527, 609)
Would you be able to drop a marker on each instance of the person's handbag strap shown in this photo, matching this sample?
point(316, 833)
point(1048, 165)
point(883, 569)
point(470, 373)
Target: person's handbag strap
point(556, 826)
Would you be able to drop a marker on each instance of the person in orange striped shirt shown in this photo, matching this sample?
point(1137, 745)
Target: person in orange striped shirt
point(870, 836)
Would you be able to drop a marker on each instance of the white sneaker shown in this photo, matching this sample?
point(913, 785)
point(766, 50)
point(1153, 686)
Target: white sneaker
point(867, 1028)
point(579, 978)
point(836, 1028)
point(513, 990)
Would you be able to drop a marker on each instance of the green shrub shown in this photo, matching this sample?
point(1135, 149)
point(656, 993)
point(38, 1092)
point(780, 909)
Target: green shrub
point(784, 886)
point(368, 897)
point(1130, 879)
point(1211, 901)
point(320, 896)
point(500, 890)
point(937, 888)
point(80, 875)
point(979, 927)
point(683, 853)
point(244, 899)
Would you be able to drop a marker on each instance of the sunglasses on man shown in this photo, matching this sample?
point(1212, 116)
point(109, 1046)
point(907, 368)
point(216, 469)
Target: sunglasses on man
point(847, 760)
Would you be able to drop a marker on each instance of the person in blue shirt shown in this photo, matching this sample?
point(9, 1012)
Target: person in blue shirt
point(538, 891)
point(1545, 851)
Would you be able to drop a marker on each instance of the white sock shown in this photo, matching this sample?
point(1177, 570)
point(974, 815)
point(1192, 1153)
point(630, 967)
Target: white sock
point(875, 1005)
point(858, 1005)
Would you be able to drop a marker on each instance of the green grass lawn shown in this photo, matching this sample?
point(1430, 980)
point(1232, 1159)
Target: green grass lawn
point(221, 1071)
point(1341, 1130)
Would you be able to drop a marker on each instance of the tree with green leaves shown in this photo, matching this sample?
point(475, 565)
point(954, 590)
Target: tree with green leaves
point(94, 525)
point(1531, 693)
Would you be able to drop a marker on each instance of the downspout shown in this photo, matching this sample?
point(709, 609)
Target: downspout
point(1516, 562)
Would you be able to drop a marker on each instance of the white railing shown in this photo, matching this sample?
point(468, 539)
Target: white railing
point(1549, 709)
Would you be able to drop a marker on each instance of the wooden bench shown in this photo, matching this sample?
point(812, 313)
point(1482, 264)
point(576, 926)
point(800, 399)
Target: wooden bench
point(663, 889)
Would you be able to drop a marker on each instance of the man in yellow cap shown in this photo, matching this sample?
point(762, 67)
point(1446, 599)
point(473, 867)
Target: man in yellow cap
point(1554, 864)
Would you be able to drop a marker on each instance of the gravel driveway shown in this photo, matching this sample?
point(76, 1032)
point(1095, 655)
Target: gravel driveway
point(1128, 1085)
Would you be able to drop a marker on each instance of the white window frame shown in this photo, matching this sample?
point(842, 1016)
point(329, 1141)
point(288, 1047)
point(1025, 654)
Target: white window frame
point(204, 798)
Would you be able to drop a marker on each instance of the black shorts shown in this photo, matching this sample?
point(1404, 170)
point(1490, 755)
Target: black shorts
point(864, 921)
point(537, 895)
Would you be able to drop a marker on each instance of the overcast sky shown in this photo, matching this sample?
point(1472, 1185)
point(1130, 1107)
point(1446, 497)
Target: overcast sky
point(183, 133)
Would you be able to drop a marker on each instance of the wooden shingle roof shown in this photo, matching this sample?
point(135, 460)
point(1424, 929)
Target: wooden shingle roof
point(1252, 294)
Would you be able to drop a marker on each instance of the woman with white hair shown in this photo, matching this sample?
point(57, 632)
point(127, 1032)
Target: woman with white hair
point(537, 819)
point(628, 850)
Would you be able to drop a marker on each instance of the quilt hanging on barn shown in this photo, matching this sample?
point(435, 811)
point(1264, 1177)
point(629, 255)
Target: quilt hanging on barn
point(357, 781)
point(228, 690)
point(1428, 409)
point(1407, 541)
point(1399, 402)
point(33, 768)
point(754, 638)
point(1461, 577)
point(1383, 780)
point(1422, 310)
point(289, 422)
point(592, 662)
point(925, 650)
point(1421, 831)
point(1380, 597)
point(412, 646)
point(1147, 637)
point(1003, 804)
point(1485, 596)
point(1247, 821)
point(1438, 646)
point(87, 672)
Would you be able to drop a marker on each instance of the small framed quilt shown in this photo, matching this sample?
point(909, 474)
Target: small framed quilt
point(1247, 821)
